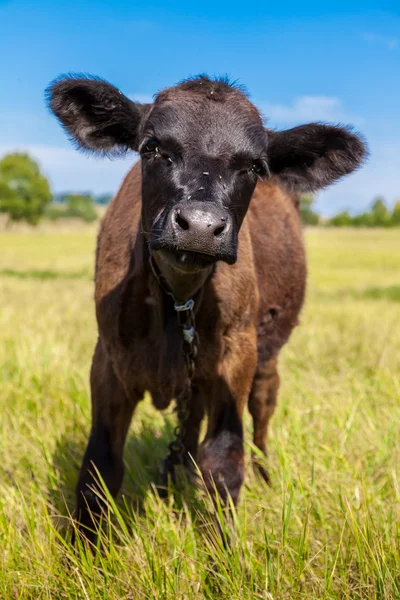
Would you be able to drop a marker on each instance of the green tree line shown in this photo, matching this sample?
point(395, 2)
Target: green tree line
point(379, 215)
point(25, 195)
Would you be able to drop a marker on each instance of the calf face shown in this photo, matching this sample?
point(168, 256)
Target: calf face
point(203, 147)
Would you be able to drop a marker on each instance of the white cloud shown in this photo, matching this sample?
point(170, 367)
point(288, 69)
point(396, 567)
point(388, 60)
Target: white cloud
point(389, 42)
point(308, 108)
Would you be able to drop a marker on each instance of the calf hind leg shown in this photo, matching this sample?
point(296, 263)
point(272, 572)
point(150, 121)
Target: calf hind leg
point(262, 403)
point(111, 415)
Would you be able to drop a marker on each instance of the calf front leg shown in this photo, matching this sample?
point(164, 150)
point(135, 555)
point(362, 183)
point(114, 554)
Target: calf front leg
point(111, 416)
point(221, 456)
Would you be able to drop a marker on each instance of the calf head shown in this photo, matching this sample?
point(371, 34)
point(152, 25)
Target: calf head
point(203, 147)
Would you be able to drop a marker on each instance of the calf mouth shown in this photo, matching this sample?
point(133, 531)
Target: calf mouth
point(187, 260)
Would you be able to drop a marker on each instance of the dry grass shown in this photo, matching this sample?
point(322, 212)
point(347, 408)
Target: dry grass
point(329, 527)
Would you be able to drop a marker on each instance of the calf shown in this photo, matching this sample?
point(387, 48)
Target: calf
point(209, 214)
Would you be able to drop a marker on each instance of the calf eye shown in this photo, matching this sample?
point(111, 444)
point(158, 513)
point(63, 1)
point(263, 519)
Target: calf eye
point(257, 168)
point(151, 146)
point(152, 150)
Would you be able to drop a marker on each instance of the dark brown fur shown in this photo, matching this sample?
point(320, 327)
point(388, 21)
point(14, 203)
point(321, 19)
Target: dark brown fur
point(203, 148)
point(244, 314)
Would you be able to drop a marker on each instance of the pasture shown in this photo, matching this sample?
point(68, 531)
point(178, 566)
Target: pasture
point(329, 527)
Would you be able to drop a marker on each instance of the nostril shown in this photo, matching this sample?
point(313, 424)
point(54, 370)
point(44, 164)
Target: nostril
point(183, 224)
point(219, 230)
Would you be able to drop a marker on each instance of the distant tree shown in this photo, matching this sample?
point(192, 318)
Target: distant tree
point(70, 205)
point(24, 191)
point(81, 206)
point(342, 219)
point(380, 214)
point(54, 211)
point(395, 218)
point(364, 219)
point(103, 199)
point(307, 214)
point(60, 198)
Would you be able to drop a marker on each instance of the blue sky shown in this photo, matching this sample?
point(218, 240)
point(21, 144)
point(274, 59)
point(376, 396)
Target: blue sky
point(328, 61)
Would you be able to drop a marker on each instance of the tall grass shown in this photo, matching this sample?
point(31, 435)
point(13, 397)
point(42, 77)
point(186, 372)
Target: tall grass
point(330, 525)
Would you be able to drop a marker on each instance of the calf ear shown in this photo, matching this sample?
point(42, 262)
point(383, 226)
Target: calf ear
point(310, 157)
point(95, 114)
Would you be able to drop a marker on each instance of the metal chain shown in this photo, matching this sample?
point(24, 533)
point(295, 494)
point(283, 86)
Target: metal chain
point(176, 448)
point(187, 323)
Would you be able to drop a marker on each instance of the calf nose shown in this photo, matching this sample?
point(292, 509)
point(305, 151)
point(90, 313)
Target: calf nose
point(202, 227)
point(201, 224)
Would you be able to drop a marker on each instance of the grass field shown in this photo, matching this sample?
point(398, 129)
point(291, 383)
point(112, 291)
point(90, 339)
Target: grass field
point(330, 525)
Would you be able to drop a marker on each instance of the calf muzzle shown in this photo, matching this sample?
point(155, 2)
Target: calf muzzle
point(199, 228)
